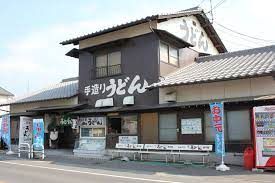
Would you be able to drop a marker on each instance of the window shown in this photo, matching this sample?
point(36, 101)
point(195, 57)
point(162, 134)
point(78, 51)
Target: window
point(164, 53)
point(86, 132)
point(129, 124)
point(169, 54)
point(123, 125)
point(98, 132)
point(168, 127)
point(173, 56)
point(92, 132)
point(108, 64)
point(238, 124)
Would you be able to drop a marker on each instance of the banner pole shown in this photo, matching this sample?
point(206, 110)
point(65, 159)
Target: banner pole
point(222, 166)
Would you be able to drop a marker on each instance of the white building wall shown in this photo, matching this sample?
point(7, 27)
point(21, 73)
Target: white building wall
point(4, 99)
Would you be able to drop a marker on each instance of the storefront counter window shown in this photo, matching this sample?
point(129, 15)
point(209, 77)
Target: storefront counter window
point(92, 132)
point(123, 125)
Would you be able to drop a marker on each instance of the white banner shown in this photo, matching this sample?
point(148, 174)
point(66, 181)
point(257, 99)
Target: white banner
point(128, 139)
point(25, 132)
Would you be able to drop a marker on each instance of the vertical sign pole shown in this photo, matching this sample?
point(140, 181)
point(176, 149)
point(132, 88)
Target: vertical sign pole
point(222, 166)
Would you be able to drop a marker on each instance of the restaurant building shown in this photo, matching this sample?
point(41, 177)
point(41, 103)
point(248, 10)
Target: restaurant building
point(118, 64)
point(52, 104)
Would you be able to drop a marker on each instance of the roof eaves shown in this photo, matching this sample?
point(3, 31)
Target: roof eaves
point(76, 40)
point(160, 85)
point(42, 100)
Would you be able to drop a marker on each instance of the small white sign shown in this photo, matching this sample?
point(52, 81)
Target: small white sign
point(191, 126)
point(92, 121)
point(128, 139)
point(25, 132)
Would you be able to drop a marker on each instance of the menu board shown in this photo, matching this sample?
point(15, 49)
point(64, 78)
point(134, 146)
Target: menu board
point(264, 127)
point(191, 126)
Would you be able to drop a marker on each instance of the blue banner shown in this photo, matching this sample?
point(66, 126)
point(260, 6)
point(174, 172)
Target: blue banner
point(5, 130)
point(217, 119)
point(38, 133)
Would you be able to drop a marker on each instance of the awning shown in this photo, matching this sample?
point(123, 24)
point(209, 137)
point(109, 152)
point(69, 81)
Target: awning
point(170, 105)
point(58, 108)
point(23, 114)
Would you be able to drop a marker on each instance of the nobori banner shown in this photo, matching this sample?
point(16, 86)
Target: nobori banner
point(5, 130)
point(218, 122)
point(38, 133)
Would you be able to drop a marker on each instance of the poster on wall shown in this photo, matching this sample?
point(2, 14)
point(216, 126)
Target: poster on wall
point(191, 126)
point(38, 133)
point(5, 130)
point(264, 130)
point(128, 139)
point(25, 131)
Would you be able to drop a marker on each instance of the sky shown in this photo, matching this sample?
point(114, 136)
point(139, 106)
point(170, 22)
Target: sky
point(31, 30)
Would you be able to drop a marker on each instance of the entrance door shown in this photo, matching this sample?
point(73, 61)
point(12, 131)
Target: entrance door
point(149, 128)
point(168, 128)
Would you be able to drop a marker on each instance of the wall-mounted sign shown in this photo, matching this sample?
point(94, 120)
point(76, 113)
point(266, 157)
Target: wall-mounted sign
point(191, 126)
point(92, 121)
point(128, 139)
point(126, 86)
point(25, 132)
point(190, 30)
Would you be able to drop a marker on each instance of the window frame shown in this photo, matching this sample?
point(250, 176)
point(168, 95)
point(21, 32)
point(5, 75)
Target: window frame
point(226, 128)
point(169, 46)
point(107, 66)
point(92, 137)
point(125, 134)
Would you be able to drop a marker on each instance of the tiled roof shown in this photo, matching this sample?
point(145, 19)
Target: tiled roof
point(234, 65)
point(196, 11)
point(61, 90)
point(5, 92)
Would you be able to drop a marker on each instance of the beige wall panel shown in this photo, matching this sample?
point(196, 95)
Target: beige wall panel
point(237, 88)
point(16, 108)
point(120, 34)
point(212, 91)
point(222, 90)
point(189, 93)
point(263, 85)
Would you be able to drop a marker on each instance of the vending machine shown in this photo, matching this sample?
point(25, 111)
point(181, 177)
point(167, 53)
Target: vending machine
point(264, 136)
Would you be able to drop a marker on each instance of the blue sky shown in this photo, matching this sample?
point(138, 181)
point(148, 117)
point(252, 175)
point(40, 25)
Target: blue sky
point(30, 54)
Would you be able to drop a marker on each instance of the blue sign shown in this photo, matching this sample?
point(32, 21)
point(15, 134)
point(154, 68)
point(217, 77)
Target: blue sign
point(38, 133)
point(217, 119)
point(5, 130)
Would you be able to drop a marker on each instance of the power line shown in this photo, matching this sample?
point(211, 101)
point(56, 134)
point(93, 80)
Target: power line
point(216, 6)
point(240, 37)
point(200, 3)
point(252, 37)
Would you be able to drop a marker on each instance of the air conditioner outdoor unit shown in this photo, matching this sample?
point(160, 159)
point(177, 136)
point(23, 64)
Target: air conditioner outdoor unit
point(129, 100)
point(170, 97)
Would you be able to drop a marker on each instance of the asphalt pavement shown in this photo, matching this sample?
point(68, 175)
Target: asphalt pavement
point(53, 170)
